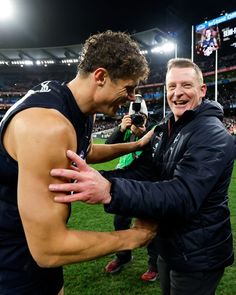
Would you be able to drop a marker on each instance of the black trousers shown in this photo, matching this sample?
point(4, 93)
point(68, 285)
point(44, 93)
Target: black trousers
point(123, 222)
point(187, 283)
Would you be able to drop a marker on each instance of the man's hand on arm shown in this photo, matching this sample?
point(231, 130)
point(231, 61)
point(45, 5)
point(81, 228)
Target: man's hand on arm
point(89, 185)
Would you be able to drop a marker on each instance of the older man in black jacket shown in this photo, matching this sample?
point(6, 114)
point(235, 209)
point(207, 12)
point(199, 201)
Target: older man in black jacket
point(186, 171)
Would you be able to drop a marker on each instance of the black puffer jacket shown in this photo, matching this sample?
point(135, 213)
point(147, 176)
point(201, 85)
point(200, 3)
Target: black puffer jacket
point(190, 164)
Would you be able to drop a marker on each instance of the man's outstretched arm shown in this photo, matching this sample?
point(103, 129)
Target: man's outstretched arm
point(105, 152)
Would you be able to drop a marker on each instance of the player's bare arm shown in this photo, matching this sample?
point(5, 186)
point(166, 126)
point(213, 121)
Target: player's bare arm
point(37, 150)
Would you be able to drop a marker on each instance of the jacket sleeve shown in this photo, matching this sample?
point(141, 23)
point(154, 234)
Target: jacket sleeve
point(207, 160)
point(116, 137)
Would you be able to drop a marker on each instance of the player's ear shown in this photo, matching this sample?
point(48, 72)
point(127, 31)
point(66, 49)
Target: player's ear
point(100, 76)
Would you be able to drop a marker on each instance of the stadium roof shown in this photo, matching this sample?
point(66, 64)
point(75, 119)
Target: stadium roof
point(41, 53)
point(146, 39)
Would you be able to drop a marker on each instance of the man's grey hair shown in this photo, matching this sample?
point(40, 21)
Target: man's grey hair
point(185, 63)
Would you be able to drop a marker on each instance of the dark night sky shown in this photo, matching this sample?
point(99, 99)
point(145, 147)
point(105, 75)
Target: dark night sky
point(45, 23)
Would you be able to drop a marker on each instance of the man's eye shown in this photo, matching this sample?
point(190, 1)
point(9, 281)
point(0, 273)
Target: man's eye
point(187, 85)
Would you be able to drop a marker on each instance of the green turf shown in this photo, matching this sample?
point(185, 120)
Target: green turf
point(89, 278)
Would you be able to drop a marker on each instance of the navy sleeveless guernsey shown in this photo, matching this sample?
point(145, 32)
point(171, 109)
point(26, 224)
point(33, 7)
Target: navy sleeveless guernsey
point(19, 273)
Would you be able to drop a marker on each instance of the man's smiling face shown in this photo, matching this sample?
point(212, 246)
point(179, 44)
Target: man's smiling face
point(184, 90)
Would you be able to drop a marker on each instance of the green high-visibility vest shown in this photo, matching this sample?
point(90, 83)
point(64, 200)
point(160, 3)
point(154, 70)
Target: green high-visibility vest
point(128, 159)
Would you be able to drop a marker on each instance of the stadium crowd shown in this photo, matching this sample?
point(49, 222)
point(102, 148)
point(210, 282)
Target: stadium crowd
point(15, 81)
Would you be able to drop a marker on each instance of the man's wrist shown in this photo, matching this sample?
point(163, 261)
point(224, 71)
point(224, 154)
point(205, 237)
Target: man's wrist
point(108, 193)
point(107, 200)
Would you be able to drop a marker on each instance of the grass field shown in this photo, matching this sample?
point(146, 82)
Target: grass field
point(89, 278)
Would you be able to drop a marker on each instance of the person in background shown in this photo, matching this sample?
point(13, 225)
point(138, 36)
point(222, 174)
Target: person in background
point(35, 133)
point(186, 172)
point(133, 126)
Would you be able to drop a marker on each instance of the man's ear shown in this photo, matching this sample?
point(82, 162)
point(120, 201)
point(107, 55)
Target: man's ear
point(204, 89)
point(100, 76)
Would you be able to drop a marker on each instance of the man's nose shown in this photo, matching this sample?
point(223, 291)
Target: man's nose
point(178, 91)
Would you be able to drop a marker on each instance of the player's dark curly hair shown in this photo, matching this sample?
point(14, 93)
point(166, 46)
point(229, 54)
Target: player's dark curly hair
point(117, 52)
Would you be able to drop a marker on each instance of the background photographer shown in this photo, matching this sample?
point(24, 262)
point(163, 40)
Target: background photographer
point(133, 126)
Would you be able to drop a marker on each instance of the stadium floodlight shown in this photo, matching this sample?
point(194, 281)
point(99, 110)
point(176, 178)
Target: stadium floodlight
point(22, 62)
point(165, 48)
point(6, 10)
point(156, 49)
point(45, 62)
point(168, 47)
point(69, 61)
point(144, 52)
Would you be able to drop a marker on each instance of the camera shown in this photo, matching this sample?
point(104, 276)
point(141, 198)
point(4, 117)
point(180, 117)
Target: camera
point(138, 119)
point(138, 111)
